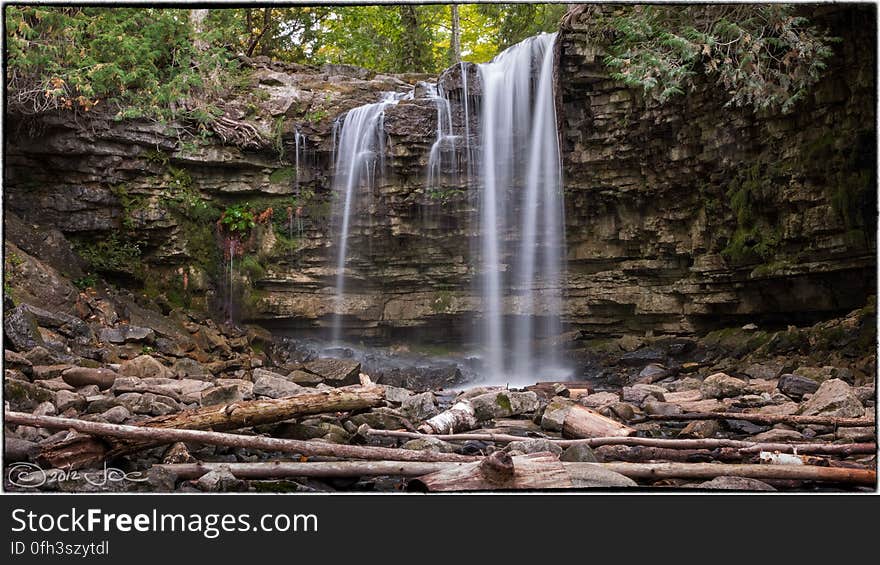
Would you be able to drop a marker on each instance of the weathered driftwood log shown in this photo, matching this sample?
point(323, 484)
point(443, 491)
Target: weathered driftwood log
point(658, 471)
point(582, 422)
point(155, 436)
point(708, 443)
point(219, 418)
point(534, 471)
point(460, 417)
point(325, 469)
point(791, 419)
point(571, 390)
point(639, 453)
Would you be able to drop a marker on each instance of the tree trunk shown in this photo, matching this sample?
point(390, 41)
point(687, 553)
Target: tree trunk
point(197, 21)
point(158, 436)
point(656, 471)
point(455, 42)
point(254, 38)
point(222, 417)
point(769, 418)
point(322, 469)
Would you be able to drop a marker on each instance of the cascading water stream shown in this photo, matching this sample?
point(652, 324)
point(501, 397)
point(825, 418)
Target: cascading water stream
point(358, 155)
point(520, 164)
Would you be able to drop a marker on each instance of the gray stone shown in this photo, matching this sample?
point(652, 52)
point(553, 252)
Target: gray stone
point(42, 372)
point(534, 446)
point(23, 396)
point(722, 385)
point(221, 479)
point(335, 372)
point(18, 449)
point(429, 443)
point(304, 378)
point(639, 393)
point(554, 414)
point(796, 386)
point(186, 368)
point(661, 408)
point(735, 483)
point(116, 415)
point(596, 476)
point(276, 386)
point(21, 330)
point(128, 334)
point(65, 400)
point(226, 394)
point(777, 435)
point(396, 394)
point(642, 357)
point(420, 407)
point(653, 373)
point(599, 400)
point(42, 356)
point(579, 453)
point(504, 404)
point(833, 398)
point(144, 366)
point(380, 419)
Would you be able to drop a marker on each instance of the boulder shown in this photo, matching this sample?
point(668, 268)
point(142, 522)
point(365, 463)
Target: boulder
point(639, 393)
point(221, 479)
point(143, 367)
point(596, 476)
point(700, 429)
point(796, 386)
point(23, 396)
point(642, 357)
point(534, 446)
point(420, 407)
point(503, 404)
point(128, 334)
point(653, 373)
point(20, 329)
point(822, 374)
point(429, 443)
point(186, 368)
point(65, 399)
point(778, 435)
point(43, 372)
point(224, 394)
point(722, 385)
point(833, 398)
point(335, 372)
point(304, 378)
point(599, 399)
point(735, 483)
point(42, 356)
point(579, 453)
point(553, 417)
point(116, 415)
point(83, 376)
point(18, 449)
point(275, 386)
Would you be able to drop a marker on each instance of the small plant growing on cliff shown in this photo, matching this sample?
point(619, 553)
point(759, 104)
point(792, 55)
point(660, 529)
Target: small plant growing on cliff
point(238, 219)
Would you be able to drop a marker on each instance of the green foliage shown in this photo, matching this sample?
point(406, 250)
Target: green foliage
point(756, 238)
point(136, 62)
point(251, 265)
point(238, 219)
point(111, 254)
point(14, 260)
point(762, 55)
point(147, 350)
point(444, 195)
point(131, 203)
point(282, 175)
point(86, 281)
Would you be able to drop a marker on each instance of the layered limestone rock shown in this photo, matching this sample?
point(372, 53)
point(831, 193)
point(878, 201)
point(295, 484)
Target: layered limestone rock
point(653, 196)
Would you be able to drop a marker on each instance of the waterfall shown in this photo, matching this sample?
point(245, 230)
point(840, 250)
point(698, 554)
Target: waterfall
point(520, 164)
point(443, 149)
point(358, 155)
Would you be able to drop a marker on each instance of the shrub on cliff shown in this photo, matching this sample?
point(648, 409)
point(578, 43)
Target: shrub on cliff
point(765, 56)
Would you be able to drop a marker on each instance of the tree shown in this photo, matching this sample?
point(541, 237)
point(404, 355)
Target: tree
point(456, 35)
point(414, 43)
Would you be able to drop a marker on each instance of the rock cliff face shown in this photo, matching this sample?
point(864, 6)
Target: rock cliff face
point(679, 217)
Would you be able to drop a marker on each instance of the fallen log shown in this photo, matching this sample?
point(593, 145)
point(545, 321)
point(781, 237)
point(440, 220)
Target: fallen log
point(657, 471)
point(323, 469)
point(530, 472)
point(222, 417)
point(583, 422)
point(791, 419)
point(158, 436)
point(640, 454)
point(460, 417)
point(708, 443)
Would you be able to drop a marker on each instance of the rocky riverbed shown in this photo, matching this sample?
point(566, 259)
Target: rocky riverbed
point(109, 356)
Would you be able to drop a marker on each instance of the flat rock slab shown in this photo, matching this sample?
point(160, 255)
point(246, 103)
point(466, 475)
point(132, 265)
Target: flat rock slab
point(335, 372)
